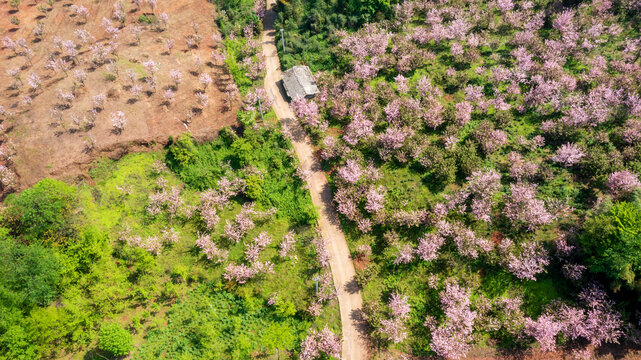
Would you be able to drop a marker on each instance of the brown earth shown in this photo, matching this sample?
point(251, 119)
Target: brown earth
point(40, 146)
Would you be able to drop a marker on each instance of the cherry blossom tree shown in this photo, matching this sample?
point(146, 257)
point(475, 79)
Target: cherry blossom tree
point(202, 99)
point(38, 30)
point(118, 121)
point(322, 254)
point(522, 206)
point(428, 246)
point(99, 101)
point(375, 200)
point(568, 155)
point(151, 66)
point(320, 342)
point(621, 183)
point(252, 100)
point(351, 172)
point(169, 44)
point(545, 330)
point(34, 81)
point(463, 113)
point(405, 254)
point(287, 244)
point(205, 80)
point(169, 96)
point(394, 328)
point(81, 12)
point(119, 12)
point(176, 77)
point(162, 22)
point(452, 339)
point(7, 177)
point(307, 112)
point(80, 76)
point(209, 248)
point(136, 31)
point(530, 261)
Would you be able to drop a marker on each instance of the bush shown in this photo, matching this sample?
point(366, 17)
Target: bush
point(253, 186)
point(147, 19)
point(612, 244)
point(237, 15)
point(29, 274)
point(115, 339)
point(238, 73)
point(262, 149)
point(182, 151)
point(42, 212)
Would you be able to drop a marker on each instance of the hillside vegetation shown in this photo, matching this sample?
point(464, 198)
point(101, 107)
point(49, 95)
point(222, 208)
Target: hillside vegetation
point(485, 158)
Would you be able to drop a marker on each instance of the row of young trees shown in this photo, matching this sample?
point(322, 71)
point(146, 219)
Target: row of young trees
point(78, 57)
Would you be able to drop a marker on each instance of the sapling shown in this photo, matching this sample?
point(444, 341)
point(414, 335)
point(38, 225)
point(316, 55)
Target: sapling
point(169, 96)
point(98, 101)
point(38, 30)
point(153, 4)
point(81, 12)
point(80, 76)
point(169, 44)
point(131, 75)
point(136, 31)
point(34, 81)
point(176, 77)
point(118, 121)
point(202, 99)
point(205, 80)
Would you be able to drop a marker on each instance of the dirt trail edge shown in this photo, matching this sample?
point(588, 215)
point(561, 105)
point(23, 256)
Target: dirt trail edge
point(349, 296)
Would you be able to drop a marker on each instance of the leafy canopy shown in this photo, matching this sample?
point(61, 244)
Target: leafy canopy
point(42, 212)
point(612, 242)
point(29, 274)
point(115, 339)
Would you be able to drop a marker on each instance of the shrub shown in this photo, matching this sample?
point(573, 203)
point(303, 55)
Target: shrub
point(467, 158)
point(237, 15)
point(253, 186)
point(43, 212)
point(29, 274)
point(238, 73)
point(148, 19)
point(612, 244)
point(114, 339)
point(182, 151)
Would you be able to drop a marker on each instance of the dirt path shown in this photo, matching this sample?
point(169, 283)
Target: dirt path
point(349, 296)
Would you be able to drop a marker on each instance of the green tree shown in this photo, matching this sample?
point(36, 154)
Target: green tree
point(244, 151)
point(115, 339)
point(29, 274)
point(612, 244)
point(253, 186)
point(15, 344)
point(42, 212)
point(369, 10)
point(278, 336)
point(182, 151)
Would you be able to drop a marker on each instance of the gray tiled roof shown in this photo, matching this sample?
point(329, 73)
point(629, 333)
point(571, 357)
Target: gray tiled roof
point(299, 82)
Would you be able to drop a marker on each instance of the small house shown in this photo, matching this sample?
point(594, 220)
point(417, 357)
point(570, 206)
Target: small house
point(299, 82)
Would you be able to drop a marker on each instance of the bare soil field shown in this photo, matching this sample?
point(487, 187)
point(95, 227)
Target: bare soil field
point(44, 132)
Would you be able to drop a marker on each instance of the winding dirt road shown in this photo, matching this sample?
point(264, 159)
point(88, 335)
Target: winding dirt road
point(349, 296)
